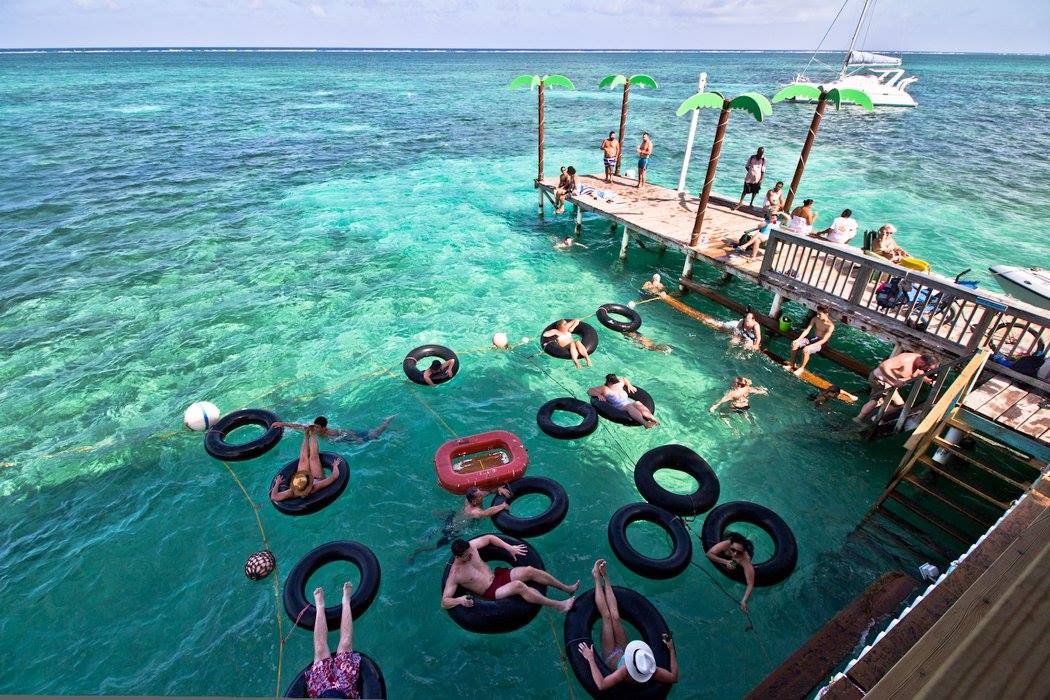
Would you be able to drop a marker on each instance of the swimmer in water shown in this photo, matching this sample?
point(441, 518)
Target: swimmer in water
point(567, 243)
point(740, 550)
point(824, 395)
point(470, 510)
point(321, 430)
point(562, 335)
point(747, 333)
point(738, 395)
point(654, 286)
point(648, 344)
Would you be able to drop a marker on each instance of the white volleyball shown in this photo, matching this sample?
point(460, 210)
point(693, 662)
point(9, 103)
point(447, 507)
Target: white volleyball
point(200, 415)
point(499, 340)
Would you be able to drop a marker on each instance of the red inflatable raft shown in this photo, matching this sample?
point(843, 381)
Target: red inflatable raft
point(484, 460)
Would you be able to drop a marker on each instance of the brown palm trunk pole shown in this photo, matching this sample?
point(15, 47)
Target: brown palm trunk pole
point(813, 126)
point(623, 123)
point(539, 156)
point(709, 180)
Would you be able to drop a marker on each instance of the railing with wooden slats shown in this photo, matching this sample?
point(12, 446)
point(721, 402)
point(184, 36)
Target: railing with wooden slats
point(930, 307)
point(919, 401)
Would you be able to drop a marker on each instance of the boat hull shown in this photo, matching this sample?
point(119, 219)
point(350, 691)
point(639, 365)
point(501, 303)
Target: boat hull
point(880, 94)
point(1031, 285)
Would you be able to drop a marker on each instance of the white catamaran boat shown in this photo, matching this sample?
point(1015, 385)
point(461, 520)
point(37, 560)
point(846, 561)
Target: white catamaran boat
point(878, 75)
point(1031, 284)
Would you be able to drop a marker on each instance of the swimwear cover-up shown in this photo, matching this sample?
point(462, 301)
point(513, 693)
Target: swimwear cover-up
point(341, 672)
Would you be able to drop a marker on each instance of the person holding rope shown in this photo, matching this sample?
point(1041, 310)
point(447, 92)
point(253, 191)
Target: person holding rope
point(740, 550)
point(320, 429)
point(336, 676)
point(634, 661)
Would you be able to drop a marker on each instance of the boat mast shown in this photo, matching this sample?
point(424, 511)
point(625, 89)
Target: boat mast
point(853, 41)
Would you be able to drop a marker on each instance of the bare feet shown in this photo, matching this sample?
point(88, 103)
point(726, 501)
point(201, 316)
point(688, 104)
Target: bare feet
point(348, 590)
point(596, 570)
point(319, 597)
point(573, 588)
point(798, 372)
point(560, 210)
point(589, 363)
point(577, 363)
point(566, 605)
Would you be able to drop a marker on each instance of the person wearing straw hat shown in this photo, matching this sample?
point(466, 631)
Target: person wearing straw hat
point(634, 661)
point(309, 475)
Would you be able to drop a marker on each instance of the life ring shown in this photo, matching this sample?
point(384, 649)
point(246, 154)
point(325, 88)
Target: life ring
point(668, 567)
point(506, 614)
point(785, 553)
point(544, 418)
point(643, 616)
point(318, 499)
point(485, 470)
point(215, 439)
point(633, 323)
point(411, 363)
point(586, 333)
point(538, 524)
point(618, 415)
point(373, 685)
point(682, 459)
point(341, 550)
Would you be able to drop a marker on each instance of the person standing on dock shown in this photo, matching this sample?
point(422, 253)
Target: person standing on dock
point(645, 149)
point(610, 153)
point(812, 340)
point(755, 171)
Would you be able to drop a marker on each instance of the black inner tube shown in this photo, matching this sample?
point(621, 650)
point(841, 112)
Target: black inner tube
point(373, 685)
point(545, 418)
point(668, 567)
point(506, 614)
point(584, 331)
point(318, 499)
point(643, 615)
point(295, 600)
point(677, 458)
point(633, 322)
point(215, 439)
point(538, 524)
point(618, 415)
point(412, 360)
point(785, 554)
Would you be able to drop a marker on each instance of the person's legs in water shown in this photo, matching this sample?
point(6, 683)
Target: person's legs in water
point(346, 624)
point(640, 413)
point(321, 650)
point(315, 458)
point(380, 429)
point(582, 350)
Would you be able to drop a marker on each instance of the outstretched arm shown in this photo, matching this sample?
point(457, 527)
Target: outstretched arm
point(596, 392)
point(713, 553)
point(718, 403)
point(572, 325)
point(290, 426)
point(475, 512)
point(749, 577)
point(276, 495)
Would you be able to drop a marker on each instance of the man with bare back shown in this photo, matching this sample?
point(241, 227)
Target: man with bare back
point(892, 373)
point(470, 571)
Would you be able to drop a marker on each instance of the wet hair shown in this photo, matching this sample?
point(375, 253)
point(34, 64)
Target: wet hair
point(822, 309)
point(779, 182)
point(459, 546)
point(928, 361)
point(612, 133)
point(833, 389)
point(761, 148)
point(611, 379)
point(742, 381)
point(435, 365)
point(807, 202)
point(645, 133)
point(749, 312)
point(472, 493)
point(737, 538)
point(847, 213)
point(571, 170)
point(321, 421)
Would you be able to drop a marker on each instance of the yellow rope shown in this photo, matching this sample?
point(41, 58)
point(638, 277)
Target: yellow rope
point(563, 657)
point(425, 405)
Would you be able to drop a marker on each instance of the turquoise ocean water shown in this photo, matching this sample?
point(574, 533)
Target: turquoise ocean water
point(274, 229)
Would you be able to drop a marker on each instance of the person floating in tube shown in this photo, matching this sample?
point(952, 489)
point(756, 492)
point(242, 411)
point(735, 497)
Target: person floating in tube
point(740, 549)
point(336, 676)
point(562, 335)
point(634, 661)
point(472, 572)
point(616, 391)
point(309, 474)
point(439, 370)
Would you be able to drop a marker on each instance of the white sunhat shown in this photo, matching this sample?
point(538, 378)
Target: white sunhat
point(639, 660)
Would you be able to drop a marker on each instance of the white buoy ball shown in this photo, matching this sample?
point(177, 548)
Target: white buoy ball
point(201, 415)
point(525, 339)
point(631, 304)
point(499, 340)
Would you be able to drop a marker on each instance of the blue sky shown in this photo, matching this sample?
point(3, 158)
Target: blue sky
point(917, 25)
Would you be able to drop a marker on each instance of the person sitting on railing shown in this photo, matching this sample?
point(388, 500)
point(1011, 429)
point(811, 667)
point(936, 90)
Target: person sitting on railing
point(891, 374)
point(802, 218)
point(842, 229)
point(885, 246)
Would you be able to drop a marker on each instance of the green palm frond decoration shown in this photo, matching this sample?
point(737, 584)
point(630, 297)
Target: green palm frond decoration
point(558, 81)
point(806, 92)
point(642, 80)
point(754, 104)
point(611, 81)
point(529, 81)
point(701, 100)
point(857, 97)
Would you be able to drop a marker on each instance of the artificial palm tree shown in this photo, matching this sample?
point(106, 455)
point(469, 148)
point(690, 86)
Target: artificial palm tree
point(751, 102)
point(611, 81)
point(836, 96)
point(531, 81)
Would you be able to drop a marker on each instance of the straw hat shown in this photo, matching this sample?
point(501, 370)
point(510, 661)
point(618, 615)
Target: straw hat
point(639, 660)
point(301, 483)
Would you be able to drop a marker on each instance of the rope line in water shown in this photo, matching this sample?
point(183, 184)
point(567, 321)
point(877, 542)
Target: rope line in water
point(427, 406)
point(564, 659)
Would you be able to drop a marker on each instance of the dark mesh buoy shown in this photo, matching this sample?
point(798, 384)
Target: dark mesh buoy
point(260, 565)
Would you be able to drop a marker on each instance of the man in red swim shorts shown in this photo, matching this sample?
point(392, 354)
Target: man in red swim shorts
point(470, 571)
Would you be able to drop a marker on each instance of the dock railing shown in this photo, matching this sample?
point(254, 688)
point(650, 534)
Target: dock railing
point(922, 394)
point(923, 306)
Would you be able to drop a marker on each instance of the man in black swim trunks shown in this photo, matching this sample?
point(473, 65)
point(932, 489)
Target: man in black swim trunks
point(320, 429)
